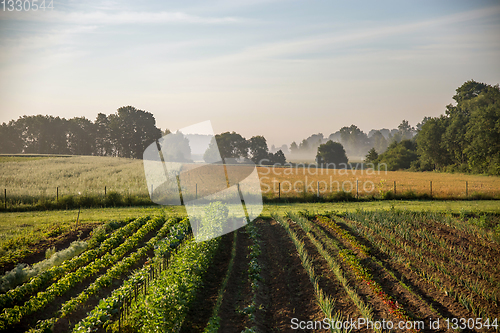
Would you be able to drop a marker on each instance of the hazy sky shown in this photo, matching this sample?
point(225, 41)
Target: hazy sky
point(282, 69)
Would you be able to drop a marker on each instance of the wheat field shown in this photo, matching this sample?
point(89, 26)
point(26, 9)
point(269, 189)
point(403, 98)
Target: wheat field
point(74, 175)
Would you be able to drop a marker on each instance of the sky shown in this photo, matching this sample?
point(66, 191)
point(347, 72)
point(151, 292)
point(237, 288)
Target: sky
point(282, 69)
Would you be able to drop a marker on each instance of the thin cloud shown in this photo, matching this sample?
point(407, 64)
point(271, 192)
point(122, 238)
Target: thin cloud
point(316, 44)
point(123, 17)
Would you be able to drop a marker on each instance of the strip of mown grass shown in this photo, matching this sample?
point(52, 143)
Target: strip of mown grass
point(450, 207)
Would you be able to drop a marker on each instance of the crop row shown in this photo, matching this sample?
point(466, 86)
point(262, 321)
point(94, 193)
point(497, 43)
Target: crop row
point(120, 268)
point(49, 276)
point(108, 308)
point(477, 280)
point(12, 316)
point(254, 276)
point(353, 242)
point(408, 254)
point(165, 306)
point(365, 309)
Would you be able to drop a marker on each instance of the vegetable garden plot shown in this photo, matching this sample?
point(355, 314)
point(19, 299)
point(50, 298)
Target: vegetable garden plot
point(290, 272)
point(410, 251)
point(65, 292)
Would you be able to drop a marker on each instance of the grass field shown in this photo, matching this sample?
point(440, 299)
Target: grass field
point(29, 179)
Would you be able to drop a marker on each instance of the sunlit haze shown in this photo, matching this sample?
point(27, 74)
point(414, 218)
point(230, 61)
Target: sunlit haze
point(282, 69)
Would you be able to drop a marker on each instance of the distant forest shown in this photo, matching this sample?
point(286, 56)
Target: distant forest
point(124, 134)
point(466, 138)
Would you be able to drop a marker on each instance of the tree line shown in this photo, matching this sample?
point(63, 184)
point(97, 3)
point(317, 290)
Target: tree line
point(465, 139)
point(356, 143)
point(125, 133)
point(232, 145)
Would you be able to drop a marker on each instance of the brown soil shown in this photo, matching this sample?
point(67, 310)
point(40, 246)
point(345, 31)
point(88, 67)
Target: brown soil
point(201, 309)
point(290, 293)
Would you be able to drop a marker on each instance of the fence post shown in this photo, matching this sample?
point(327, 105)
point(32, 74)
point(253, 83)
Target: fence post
point(466, 189)
point(105, 190)
point(151, 189)
point(305, 187)
point(431, 188)
point(357, 193)
point(279, 190)
point(5, 197)
point(57, 193)
point(394, 187)
point(317, 189)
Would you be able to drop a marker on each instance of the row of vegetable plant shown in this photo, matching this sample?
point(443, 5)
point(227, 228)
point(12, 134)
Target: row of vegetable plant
point(365, 309)
point(165, 306)
point(361, 272)
point(333, 225)
point(254, 274)
point(14, 315)
point(111, 308)
point(96, 247)
point(406, 254)
point(117, 271)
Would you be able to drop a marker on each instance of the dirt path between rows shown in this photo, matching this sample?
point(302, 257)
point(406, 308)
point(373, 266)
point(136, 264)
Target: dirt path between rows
point(290, 293)
point(238, 291)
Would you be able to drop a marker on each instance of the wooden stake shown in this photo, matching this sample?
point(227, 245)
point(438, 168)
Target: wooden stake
point(78, 217)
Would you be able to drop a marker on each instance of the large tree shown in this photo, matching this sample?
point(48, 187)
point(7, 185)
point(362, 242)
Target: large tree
point(331, 152)
point(132, 130)
point(81, 136)
point(354, 140)
point(258, 149)
point(103, 143)
point(399, 155)
point(432, 151)
point(231, 145)
point(483, 132)
point(10, 138)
